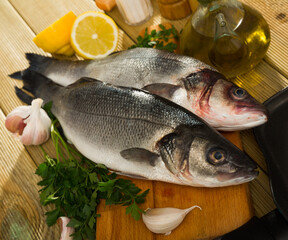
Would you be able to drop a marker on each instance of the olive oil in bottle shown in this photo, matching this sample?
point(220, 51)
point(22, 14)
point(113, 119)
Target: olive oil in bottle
point(226, 34)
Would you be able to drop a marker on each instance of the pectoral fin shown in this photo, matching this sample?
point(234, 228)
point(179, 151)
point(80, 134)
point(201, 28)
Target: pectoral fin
point(165, 90)
point(140, 155)
point(174, 149)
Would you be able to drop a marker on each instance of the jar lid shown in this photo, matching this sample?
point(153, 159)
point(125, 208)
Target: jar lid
point(205, 1)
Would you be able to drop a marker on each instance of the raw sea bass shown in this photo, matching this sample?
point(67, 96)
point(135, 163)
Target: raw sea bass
point(183, 80)
point(136, 133)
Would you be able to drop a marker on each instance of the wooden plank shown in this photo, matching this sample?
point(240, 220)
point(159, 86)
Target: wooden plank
point(39, 14)
point(22, 34)
point(261, 195)
point(229, 203)
point(18, 39)
point(115, 224)
point(21, 215)
point(262, 82)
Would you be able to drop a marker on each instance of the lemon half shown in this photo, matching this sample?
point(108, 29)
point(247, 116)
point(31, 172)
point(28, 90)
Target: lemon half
point(56, 37)
point(94, 35)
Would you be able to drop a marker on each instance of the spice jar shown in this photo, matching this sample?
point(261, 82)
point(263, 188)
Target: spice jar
point(174, 9)
point(135, 12)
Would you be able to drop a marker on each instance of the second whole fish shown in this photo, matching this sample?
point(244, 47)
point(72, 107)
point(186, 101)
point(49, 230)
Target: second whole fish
point(136, 133)
point(181, 79)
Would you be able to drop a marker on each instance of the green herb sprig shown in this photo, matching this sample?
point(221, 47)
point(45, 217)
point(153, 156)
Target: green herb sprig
point(158, 39)
point(75, 185)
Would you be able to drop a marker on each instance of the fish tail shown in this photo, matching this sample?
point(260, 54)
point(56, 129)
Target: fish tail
point(16, 75)
point(38, 85)
point(37, 62)
point(23, 96)
point(32, 80)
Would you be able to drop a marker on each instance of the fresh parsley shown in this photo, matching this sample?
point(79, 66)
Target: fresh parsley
point(75, 185)
point(158, 39)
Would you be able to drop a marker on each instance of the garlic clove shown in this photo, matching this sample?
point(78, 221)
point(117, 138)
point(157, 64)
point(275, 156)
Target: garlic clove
point(164, 220)
point(30, 123)
point(15, 120)
point(15, 124)
point(65, 231)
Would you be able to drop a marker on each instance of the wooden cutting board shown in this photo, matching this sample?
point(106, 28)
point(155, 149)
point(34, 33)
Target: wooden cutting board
point(223, 210)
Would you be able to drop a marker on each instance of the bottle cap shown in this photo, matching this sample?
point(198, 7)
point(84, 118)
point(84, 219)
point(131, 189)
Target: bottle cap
point(205, 1)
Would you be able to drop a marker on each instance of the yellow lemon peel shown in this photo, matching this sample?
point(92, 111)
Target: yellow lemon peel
point(94, 35)
point(56, 37)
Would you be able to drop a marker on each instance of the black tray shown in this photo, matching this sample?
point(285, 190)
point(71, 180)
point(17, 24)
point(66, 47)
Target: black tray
point(272, 138)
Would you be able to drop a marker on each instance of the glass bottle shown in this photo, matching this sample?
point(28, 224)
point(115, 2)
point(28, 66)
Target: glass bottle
point(227, 35)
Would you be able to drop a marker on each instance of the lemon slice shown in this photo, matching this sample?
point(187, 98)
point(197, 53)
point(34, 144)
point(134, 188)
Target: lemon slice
point(94, 35)
point(56, 37)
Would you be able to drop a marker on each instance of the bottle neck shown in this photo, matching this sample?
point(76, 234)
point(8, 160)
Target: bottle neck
point(203, 20)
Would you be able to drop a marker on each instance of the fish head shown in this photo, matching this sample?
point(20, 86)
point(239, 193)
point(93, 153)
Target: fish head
point(199, 157)
point(221, 103)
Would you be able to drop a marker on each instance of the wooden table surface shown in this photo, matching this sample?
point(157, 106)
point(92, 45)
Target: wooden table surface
point(21, 20)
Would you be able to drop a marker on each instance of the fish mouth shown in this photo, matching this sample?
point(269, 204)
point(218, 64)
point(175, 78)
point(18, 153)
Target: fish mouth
point(261, 119)
point(240, 175)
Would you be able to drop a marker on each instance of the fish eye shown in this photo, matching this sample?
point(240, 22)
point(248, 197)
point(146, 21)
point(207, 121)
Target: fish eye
point(239, 93)
point(216, 156)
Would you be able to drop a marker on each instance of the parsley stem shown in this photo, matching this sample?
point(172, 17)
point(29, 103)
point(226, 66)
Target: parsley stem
point(44, 152)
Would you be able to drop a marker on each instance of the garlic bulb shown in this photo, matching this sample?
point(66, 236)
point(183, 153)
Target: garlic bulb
point(65, 231)
point(164, 220)
point(30, 124)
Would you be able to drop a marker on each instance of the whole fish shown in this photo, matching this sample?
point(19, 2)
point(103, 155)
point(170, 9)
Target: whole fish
point(181, 79)
point(136, 133)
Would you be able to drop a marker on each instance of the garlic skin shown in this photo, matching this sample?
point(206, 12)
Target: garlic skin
point(164, 220)
point(30, 124)
point(65, 231)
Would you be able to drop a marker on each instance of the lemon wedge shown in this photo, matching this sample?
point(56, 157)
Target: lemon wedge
point(94, 35)
point(56, 37)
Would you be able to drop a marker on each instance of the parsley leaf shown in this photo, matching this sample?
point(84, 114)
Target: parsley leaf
point(158, 39)
point(75, 185)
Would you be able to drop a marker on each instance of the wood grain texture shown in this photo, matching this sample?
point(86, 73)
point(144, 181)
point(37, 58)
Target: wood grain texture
point(20, 211)
point(230, 203)
point(21, 215)
point(261, 82)
point(19, 25)
point(41, 13)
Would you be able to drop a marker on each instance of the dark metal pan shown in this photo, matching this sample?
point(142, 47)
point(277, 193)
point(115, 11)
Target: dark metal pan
point(272, 138)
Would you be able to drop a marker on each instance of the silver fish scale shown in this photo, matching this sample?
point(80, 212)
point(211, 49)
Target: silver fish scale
point(135, 67)
point(138, 64)
point(138, 119)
